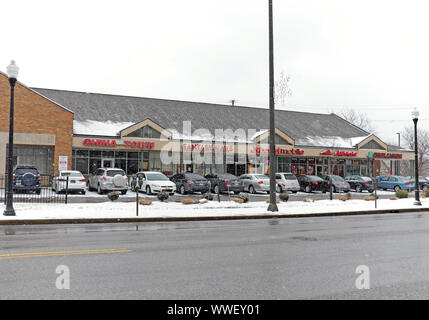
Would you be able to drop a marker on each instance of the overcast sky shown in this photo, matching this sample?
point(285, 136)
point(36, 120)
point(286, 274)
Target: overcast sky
point(372, 55)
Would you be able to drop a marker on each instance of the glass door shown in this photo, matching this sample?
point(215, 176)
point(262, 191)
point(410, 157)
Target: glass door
point(108, 163)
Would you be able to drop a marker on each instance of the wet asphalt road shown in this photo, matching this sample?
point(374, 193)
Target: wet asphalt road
point(300, 258)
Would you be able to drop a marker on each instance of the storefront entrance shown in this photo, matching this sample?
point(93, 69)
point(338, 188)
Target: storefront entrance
point(108, 163)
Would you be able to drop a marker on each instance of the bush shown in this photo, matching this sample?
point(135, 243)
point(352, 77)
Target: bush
point(284, 196)
point(373, 195)
point(243, 196)
point(425, 193)
point(113, 196)
point(401, 194)
point(208, 196)
point(348, 195)
point(163, 196)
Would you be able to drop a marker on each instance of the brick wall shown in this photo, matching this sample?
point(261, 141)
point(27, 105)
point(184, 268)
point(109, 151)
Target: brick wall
point(36, 114)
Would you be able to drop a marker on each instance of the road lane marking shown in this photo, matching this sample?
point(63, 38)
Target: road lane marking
point(60, 253)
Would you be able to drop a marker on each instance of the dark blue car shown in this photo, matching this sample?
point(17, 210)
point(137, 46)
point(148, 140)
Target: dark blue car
point(26, 179)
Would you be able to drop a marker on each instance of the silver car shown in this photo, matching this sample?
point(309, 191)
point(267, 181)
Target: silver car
point(108, 179)
point(255, 183)
point(287, 182)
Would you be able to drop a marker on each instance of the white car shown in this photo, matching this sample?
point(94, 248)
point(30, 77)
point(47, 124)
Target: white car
point(152, 182)
point(287, 182)
point(76, 182)
point(108, 179)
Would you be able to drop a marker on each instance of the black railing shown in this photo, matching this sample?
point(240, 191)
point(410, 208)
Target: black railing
point(31, 191)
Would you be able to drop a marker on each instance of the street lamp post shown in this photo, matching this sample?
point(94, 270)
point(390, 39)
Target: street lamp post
point(415, 116)
point(398, 163)
point(273, 205)
point(12, 72)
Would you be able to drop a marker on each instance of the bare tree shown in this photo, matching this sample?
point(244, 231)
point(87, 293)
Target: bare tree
point(358, 118)
point(422, 146)
point(281, 89)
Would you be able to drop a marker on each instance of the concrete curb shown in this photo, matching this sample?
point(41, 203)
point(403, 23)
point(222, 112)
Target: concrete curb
point(172, 219)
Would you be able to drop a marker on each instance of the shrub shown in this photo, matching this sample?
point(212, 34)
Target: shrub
point(401, 194)
point(373, 195)
point(284, 196)
point(113, 196)
point(163, 196)
point(425, 193)
point(243, 196)
point(208, 196)
point(348, 195)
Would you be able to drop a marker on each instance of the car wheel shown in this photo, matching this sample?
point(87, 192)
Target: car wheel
point(294, 191)
point(148, 191)
point(216, 189)
point(308, 189)
point(358, 189)
point(252, 189)
point(99, 190)
point(124, 191)
point(279, 189)
point(371, 191)
point(397, 188)
point(182, 189)
point(83, 191)
point(236, 192)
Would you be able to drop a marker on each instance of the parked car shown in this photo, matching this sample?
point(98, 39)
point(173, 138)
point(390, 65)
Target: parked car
point(255, 183)
point(423, 183)
point(225, 182)
point(360, 183)
point(108, 179)
point(26, 178)
point(152, 182)
point(190, 183)
point(287, 182)
point(395, 182)
point(338, 183)
point(312, 183)
point(76, 182)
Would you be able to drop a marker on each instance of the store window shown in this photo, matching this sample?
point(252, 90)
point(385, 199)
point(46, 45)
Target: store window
point(145, 132)
point(40, 157)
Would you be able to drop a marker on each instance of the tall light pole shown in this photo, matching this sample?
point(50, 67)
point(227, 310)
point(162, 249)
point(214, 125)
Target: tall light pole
point(273, 205)
point(12, 72)
point(415, 116)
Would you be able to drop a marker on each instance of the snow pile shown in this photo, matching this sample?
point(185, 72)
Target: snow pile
point(210, 209)
point(99, 128)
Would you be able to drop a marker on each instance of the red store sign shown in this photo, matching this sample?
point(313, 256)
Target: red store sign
point(339, 153)
point(278, 151)
point(113, 143)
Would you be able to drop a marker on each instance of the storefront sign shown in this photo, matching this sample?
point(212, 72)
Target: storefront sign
point(63, 162)
point(278, 151)
point(114, 143)
point(207, 147)
point(339, 153)
point(384, 155)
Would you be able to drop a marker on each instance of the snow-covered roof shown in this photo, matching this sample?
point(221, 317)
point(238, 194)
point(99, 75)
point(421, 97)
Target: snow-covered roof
point(99, 128)
point(330, 141)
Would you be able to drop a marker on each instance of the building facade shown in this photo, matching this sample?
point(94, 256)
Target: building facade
point(58, 129)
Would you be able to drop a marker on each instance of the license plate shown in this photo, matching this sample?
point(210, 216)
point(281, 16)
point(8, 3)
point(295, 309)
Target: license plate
point(73, 181)
point(18, 183)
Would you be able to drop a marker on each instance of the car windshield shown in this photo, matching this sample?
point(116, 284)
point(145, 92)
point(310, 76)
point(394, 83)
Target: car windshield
point(26, 170)
point(112, 173)
point(193, 176)
point(261, 176)
point(289, 177)
point(337, 178)
point(365, 178)
point(156, 177)
point(72, 174)
point(227, 176)
point(315, 178)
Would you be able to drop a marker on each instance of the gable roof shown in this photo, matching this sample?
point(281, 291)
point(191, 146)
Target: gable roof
point(170, 114)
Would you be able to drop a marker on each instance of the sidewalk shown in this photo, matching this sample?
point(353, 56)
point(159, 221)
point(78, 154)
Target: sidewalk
point(108, 212)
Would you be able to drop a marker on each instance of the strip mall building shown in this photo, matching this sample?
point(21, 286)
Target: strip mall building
point(57, 129)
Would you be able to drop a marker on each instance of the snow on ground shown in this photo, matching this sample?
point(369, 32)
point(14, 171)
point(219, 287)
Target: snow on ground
point(212, 208)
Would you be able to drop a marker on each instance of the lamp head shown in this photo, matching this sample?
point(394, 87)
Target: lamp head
point(415, 113)
point(12, 70)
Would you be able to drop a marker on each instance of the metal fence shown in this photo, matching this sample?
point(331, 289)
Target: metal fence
point(42, 193)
